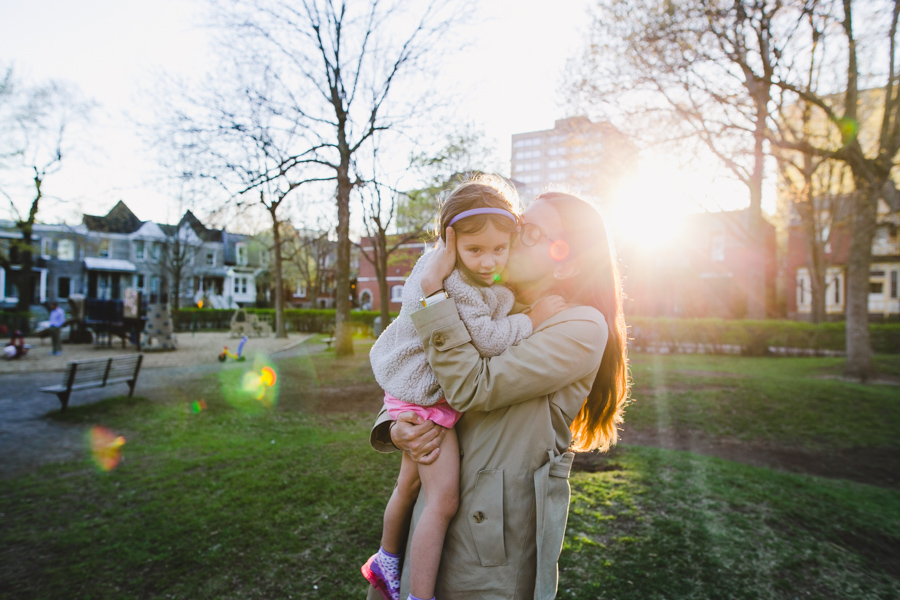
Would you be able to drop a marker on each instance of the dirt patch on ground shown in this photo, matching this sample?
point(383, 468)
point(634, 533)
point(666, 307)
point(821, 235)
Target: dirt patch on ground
point(875, 466)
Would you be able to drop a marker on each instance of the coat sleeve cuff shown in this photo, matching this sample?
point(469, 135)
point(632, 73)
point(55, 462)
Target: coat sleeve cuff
point(439, 326)
point(380, 436)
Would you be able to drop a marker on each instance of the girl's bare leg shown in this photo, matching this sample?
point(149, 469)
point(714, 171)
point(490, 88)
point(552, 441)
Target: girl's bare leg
point(440, 485)
point(399, 508)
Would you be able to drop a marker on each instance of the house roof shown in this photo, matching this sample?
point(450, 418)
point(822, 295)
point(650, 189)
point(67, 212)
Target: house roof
point(119, 219)
point(204, 233)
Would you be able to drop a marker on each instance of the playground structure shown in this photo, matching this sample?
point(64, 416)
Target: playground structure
point(247, 324)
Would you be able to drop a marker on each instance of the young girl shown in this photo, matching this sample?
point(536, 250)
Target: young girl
point(483, 213)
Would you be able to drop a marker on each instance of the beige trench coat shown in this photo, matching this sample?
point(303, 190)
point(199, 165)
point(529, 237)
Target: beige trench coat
point(505, 540)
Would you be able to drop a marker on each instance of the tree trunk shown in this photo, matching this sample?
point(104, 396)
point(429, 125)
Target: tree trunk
point(25, 279)
point(279, 288)
point(862, 230)
point(381, 271)
point(815, 259)
point(756, 294)
point(343, 334)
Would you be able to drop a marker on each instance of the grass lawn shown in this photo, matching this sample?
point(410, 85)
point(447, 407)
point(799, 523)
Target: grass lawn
point(286, 502)
point(792, 402)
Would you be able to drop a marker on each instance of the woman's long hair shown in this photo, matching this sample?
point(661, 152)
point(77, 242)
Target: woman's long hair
point(597, 284)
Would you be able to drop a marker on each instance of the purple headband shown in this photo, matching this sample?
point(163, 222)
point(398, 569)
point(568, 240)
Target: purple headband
point(483, 211)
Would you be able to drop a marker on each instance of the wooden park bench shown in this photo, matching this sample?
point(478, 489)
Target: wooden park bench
point(328, 342)
point(97, 373)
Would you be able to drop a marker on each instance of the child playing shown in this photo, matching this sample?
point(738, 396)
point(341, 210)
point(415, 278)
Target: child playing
point(483, 213)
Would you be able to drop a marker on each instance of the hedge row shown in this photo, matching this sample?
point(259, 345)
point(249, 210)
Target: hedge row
point(751, 337)
point(311, 320)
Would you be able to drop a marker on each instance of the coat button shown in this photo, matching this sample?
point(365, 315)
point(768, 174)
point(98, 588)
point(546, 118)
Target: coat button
point(438, 341)
point(479, 517)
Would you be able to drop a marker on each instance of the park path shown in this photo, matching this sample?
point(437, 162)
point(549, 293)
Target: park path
point(28, 439)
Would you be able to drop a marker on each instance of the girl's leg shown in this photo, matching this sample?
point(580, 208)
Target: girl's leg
point(399, 508)
point(440, 485)
point(383, 569)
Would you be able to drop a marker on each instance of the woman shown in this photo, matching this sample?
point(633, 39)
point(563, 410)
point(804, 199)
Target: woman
point(562, 388)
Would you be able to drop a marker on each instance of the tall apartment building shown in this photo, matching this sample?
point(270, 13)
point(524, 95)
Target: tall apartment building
point(578, 155)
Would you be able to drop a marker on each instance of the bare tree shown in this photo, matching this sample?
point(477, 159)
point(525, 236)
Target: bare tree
point(308, 254)
point(858, 108)
point(693, 71)
point(36, 120)
point(235, 135)
point(342, 65)
point(178, 253)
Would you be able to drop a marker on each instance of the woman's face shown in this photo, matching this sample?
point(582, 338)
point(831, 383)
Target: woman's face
point(535, 264)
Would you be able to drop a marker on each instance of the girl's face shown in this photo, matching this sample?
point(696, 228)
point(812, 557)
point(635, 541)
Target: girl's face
point(536, 264)
point(484, 253)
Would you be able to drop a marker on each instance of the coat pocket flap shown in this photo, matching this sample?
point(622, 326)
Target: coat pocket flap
point(485, 518)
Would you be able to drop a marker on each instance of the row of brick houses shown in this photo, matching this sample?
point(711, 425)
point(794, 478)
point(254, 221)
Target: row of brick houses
point(884, 270)
point(103, 255)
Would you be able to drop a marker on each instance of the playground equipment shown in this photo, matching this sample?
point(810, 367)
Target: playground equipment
point(226, 352)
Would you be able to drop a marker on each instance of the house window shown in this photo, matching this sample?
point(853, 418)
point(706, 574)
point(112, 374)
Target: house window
point(876, 287)
point(46, 247)
point(104, 249)
point(241, 254)
point(139, 282)
point(240, 285)
point(397, 293)
point(717, 247)
point(154, 285)
point(894, 275)
point(210, 258)
point(803, 286)
point(65, 250)
point(155, 250)
point(139, 250)
point(301, 291)
point(837, 290)
point(63, 287)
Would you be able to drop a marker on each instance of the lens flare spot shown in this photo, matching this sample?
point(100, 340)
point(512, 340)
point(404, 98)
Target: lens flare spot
point(198, 406)
point(849, 129)
point(559, 250)
point(496, 277)
point(268, 377)
point(106, 447)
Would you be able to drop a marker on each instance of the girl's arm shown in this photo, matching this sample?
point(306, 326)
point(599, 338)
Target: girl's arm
point(564, 349)
point(490, 335)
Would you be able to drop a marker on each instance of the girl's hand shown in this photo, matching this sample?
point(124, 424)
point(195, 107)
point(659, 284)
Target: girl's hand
point(440, 265)
point(546, 308)
point(420, 439)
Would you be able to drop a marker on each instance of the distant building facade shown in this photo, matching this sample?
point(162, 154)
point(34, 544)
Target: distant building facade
point(704, 273)
point(400, 265)
point(103, 255)
point(884, 270)
point(587, 157)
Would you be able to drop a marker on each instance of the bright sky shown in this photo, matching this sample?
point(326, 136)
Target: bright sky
point(113, 50)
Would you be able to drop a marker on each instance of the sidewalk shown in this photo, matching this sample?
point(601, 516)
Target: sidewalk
point(193, 349)
point(29, 439)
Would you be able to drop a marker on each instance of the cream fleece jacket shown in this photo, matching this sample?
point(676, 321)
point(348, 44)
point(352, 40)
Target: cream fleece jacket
point(398, 357)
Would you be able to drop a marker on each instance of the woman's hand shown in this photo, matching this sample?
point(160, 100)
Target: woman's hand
point(420, 439)
point(440, 265)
